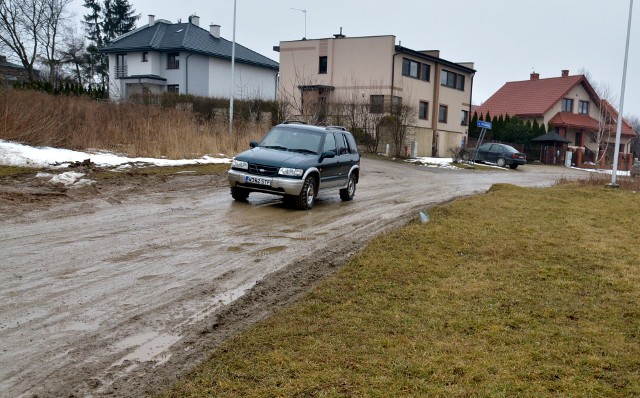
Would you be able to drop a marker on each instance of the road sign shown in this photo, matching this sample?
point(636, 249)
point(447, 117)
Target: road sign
point(484, 125)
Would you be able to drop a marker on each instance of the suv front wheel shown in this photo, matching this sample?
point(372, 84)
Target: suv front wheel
point(304, 201)
point(239, 194)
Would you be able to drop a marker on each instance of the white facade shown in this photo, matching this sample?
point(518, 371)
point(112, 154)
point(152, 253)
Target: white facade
point(196, 74)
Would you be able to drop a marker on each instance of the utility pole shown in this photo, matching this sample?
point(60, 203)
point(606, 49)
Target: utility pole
point(616, 152)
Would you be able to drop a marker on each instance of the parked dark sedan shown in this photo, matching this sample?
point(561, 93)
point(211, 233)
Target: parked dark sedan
point(500, 154)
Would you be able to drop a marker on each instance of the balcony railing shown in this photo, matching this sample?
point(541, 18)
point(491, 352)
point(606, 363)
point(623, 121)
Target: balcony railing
point(121, 71)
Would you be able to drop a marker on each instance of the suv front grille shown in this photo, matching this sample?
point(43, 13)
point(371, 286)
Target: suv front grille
point(261, 170)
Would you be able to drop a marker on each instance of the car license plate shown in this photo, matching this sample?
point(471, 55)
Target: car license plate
point(257, 180)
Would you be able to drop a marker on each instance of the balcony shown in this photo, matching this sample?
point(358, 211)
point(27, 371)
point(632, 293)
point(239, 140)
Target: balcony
point(121, 71)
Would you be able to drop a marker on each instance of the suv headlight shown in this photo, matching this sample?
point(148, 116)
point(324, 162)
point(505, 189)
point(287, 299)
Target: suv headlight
point(239, 164)
point(285, 171)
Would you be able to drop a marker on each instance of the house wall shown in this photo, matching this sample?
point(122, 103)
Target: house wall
point(363, 66)
point(250, 81)
point(196, 75)
point(577, 93)
point(354, 65)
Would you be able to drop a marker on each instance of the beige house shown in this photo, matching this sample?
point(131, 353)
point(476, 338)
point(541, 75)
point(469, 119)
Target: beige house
point(327, 80)
point(569, 106)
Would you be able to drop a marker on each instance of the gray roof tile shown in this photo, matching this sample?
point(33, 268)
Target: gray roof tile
point(166, 37)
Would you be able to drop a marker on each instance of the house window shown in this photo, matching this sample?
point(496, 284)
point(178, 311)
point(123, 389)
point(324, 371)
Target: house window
point(567, 105)
point(173, 88)
point(583, 107)
point(442, 114)
point(464, 118)
point(173, 61)
point(322, 67)
point(426, 72)
point(145, 57)
point(410, 68)
point(423, 111)
point(377, 104)
point(452, 80)
point(460, 82)
point(416, 70)
point(396, 104)
point(121, 65)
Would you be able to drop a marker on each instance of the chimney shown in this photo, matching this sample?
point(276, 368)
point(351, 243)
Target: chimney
point(194, 19)
point(535, 76)
point(339, 35)
point(3, 58)
point(565, 73)
point(152, 19)
point(215, 31)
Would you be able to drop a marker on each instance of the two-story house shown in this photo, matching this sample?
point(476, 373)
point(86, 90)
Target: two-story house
point(376, 70)
point(569, 106)
point(187, 59)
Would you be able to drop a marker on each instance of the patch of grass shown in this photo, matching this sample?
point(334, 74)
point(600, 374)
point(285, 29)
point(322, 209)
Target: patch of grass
point(15, 171)
point(517, 292)
point(196, 169)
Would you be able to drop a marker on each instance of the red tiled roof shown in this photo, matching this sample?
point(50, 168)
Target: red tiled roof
point(578, 121)
point(574, 120)
point(531, 97)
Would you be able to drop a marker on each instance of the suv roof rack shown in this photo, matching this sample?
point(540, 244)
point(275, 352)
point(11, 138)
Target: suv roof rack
point(336, 128)
point(293, 122)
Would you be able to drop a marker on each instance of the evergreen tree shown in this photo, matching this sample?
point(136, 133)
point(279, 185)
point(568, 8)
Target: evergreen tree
point(123, 17)
point(535, 128)
point(473, 127)
point(95, 64)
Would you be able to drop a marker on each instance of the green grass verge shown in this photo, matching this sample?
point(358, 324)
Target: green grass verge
point(197, 169)
point(517, 292)
point(15, 171)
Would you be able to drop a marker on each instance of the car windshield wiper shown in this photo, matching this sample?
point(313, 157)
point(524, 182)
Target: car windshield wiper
point(303, 150)
point(275, 147)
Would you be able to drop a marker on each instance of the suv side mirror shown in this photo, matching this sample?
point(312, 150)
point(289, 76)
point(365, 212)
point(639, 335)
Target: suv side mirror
point(328, 154)
point(253, 144)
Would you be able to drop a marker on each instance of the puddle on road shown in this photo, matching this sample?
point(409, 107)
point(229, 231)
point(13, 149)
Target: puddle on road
point(150, 346)
point(268, 250)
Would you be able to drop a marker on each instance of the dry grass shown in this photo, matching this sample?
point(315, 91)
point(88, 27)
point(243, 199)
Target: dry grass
point(518, 292)
point(136, 130)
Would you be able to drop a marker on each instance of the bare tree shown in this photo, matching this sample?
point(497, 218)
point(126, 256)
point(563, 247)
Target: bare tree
point(634, 121)
point(21, 23)
point(73, 52)
point(56, 17)
point(606, 130)
point(399, 121)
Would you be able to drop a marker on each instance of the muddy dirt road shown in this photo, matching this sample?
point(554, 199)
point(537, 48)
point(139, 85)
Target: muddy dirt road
point(122, 289)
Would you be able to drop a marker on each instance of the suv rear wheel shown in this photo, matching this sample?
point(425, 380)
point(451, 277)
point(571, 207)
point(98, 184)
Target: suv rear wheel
point(304, 201)
point(349, 192)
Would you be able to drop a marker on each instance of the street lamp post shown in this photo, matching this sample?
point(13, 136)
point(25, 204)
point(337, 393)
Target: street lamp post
point(616, 152)
point(233, 62)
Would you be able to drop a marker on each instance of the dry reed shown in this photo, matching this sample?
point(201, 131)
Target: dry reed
point(40, 119)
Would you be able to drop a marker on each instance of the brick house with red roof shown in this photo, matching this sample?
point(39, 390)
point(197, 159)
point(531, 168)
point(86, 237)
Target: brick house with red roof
point(570, 106)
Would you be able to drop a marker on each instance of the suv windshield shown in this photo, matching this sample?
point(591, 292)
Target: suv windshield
point(292, 140)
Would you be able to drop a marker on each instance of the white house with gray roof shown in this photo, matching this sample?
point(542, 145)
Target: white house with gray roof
point(187, 59)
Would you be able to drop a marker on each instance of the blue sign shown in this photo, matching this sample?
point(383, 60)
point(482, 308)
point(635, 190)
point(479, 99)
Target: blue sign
point(484, 125)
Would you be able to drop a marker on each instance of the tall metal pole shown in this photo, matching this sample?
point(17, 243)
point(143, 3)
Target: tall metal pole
point(233, 62)
point(305, 20)
point(616, 152)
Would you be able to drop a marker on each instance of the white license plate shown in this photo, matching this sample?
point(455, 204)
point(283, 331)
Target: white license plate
point(257, 180)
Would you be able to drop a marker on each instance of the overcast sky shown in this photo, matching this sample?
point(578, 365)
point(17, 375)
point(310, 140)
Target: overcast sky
point(506, 39)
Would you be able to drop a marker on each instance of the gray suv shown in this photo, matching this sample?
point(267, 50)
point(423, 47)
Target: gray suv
point(296, 160)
